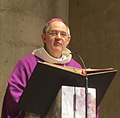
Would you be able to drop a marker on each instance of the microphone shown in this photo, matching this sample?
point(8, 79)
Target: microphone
point(86, 83)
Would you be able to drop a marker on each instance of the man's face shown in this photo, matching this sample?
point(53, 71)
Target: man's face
point(56, 39)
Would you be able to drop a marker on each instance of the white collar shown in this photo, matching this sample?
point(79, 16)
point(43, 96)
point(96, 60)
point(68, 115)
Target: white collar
point(43, 54)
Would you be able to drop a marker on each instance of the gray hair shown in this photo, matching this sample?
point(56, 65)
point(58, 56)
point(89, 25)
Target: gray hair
point(47, 26)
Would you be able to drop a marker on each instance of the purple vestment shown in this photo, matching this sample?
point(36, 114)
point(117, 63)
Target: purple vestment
point(17, 83)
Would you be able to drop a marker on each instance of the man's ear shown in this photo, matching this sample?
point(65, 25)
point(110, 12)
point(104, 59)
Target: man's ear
point(43, 37)
point(68, 41)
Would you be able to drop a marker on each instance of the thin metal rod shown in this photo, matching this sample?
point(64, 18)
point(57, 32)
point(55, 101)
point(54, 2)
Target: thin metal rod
point(86, 87)
point(74, 103)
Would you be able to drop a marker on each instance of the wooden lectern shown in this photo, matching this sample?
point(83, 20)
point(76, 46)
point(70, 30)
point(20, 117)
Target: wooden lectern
point(49, 82)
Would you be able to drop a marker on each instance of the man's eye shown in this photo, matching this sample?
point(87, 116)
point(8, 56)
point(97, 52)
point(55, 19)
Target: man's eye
point(54, 32)
point(63, 34)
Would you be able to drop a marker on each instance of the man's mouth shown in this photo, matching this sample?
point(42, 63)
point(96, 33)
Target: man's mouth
point(58, 44)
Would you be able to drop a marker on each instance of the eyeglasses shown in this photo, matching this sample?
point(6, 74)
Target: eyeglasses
point(56, 33)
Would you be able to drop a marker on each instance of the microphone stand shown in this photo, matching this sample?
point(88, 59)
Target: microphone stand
point(86, 87)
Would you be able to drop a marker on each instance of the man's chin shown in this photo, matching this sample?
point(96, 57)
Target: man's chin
point(59, 50)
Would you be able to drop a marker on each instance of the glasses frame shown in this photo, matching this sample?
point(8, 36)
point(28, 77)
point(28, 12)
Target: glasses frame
point(55, 33)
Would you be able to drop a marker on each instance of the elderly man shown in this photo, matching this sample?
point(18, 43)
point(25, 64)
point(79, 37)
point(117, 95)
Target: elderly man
point(55, 36)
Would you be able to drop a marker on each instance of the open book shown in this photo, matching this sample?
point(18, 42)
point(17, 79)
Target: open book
point(78, 71)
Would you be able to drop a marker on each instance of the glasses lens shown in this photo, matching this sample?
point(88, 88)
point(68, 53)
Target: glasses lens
point(56, 33)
